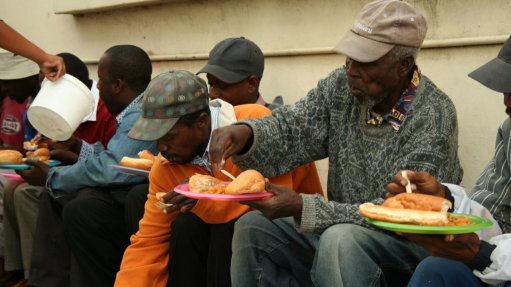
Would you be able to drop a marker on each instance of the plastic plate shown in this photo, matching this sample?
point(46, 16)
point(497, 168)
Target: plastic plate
point(477, 224)
point(184, 190)
point(131, 170)
point(22, 166)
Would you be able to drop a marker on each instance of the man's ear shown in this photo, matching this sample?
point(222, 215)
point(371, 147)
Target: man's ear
point(253, 84)
point(118, 85)
point(406, 65)
point(202, 120)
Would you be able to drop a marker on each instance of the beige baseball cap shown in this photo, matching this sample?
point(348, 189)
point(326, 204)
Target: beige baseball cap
point(380, 26)
point(13, 67)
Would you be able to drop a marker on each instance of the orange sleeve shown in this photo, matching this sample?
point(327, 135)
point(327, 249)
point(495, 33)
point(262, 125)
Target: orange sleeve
point(306, 179)
point(145, 261)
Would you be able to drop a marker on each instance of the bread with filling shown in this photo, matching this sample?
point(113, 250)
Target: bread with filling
point(249, 181)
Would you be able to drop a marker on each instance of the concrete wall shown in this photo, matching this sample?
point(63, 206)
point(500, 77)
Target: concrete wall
point(296, 37)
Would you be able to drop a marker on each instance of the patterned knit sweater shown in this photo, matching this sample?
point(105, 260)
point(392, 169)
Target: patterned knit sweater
point(329, 122)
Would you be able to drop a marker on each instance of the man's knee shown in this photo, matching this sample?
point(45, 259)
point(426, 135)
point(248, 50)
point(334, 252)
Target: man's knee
point(137, 195)
point(341, 234)
point(26, 193)
point(188, 225)
point(76, 210)
point(253, 218)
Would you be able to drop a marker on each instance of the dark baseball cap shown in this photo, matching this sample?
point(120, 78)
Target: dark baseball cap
point(168, 97)
point(235, 59)
point(496, 74)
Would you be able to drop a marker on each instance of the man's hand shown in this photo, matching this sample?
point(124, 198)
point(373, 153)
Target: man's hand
point(65, 156)
point(462, 247)
point(36, 175)
point(73, 144)
point(52, 66)
point(285, 202)
point(228, 141)
point(422, 182)
point(178, 202)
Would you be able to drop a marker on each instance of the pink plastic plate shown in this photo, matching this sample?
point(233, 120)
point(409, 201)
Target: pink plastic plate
point(184, 190)
point(11, 176)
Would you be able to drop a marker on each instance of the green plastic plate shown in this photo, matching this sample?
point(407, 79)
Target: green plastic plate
point(22, 166)
point(478, 223)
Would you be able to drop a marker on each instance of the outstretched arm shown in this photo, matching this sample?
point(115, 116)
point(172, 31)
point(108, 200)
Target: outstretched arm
point(52, 66)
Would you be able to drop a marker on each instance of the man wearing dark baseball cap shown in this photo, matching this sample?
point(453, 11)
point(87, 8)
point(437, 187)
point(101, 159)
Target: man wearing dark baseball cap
point(371, 118)
point(478, 260)
point(175, 113)
point(234, 71)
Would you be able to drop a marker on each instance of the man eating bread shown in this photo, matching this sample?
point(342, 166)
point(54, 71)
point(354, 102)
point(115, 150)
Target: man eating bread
point(481, 258)
point(371, 117)
point(177, 113)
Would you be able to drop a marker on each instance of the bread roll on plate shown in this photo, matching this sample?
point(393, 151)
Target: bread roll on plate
point(409, 208)
point(203, 183)
point(249, 181)
point(10, 157)
point(42, 154)
point(140, 163)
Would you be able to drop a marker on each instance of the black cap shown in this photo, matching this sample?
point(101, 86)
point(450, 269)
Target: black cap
point(496, 74)
point(235, 59)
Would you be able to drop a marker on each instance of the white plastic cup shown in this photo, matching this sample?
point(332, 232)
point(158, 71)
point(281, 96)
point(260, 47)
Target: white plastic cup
point(60, 107)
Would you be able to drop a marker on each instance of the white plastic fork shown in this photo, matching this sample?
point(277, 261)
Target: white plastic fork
point(162, 205)
point(228, 174)
point(408, 186)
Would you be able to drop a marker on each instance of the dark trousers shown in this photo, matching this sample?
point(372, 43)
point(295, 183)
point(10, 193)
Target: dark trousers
point(134, 206)
point(96, 234)
point(50, 255)
point(200, 253)
point(93, 226)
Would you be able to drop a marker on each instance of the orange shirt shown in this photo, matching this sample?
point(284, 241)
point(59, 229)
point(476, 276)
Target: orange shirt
point(146, 260)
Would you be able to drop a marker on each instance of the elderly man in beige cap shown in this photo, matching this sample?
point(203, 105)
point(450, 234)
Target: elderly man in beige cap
point(371, 118)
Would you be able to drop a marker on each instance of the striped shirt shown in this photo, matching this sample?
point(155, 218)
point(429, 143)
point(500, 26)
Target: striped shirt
point(493, 187)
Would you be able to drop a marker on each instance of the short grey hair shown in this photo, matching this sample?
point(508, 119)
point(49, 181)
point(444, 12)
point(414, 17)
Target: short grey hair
point(400, 52)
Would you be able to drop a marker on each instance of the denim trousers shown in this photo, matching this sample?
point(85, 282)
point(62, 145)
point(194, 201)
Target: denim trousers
point(442, 272)
point(272, 253)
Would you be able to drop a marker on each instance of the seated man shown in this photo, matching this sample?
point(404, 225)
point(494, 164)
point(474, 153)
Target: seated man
point(21, 205)
point(469, 260)
point(234, 71)
point(18, 85)
point(91, 186)
point(373, 117)
point(182, 129)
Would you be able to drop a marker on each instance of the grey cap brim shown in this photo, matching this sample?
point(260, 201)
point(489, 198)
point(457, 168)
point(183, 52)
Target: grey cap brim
point(222, 74)
point(495, 75)
point(151, 129)
point(361, 49)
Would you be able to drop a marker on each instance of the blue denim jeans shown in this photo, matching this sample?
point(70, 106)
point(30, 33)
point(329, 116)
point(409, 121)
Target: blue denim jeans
point(442, 272)
point(272, 253)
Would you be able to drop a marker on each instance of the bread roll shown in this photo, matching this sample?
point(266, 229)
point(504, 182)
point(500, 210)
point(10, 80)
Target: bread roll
point(41, 154)
point(418, 201)
point(249, 181)
point(202, 183)
point(140, 163)
point(404, 216)
point(10, 157)
point(146, 155)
